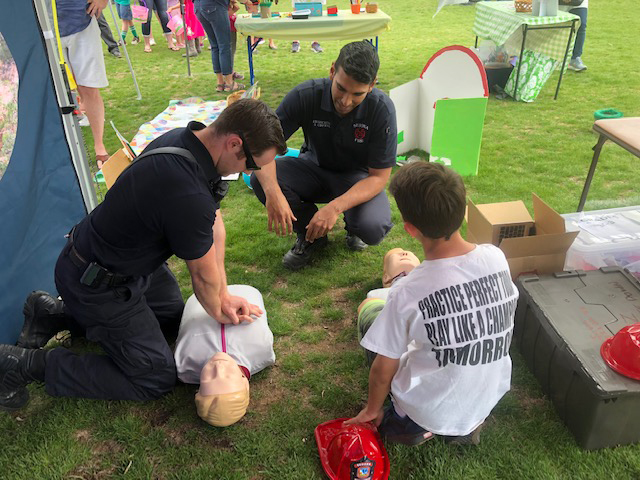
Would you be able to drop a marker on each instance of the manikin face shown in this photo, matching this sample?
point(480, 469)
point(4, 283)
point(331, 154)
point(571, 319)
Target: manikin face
point(222, 375)
point(346, 92)
point(397, 261)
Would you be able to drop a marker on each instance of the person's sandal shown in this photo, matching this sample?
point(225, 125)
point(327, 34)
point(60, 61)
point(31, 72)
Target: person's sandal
point(234, 87)
point(220, 87)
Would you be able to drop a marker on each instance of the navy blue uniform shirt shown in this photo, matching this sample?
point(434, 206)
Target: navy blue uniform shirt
point(159, 206)
point(365, 138)
point(72, 16)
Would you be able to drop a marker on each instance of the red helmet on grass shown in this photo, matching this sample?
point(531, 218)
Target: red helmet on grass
point(622, 351)
point(351, 452)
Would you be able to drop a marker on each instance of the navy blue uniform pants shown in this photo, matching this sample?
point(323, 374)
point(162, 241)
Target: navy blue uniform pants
point(127, 322)
point(304, 184)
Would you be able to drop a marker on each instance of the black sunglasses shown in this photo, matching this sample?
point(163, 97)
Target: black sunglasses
point(250, 162)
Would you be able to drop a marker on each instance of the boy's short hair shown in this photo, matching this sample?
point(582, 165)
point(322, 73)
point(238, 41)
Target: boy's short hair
point(359, 60)
point(256, 121)
point(431, 197)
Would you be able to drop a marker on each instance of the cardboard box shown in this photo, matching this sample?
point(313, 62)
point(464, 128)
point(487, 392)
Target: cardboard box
point(537, 245)
point(314, 7)
point(113, 167)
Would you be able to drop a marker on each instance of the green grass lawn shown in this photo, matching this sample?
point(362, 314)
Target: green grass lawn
point(320, 373)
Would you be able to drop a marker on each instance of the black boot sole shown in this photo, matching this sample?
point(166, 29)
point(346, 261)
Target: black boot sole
point(16, 401)
point(32, 334)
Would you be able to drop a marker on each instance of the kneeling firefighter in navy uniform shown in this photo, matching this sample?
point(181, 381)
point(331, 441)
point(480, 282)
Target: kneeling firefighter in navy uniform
point(112, 276)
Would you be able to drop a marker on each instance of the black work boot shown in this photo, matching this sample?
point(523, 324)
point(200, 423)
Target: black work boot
point(300, 254)
point(355, 243)
point(18, 368)
point(43, 318)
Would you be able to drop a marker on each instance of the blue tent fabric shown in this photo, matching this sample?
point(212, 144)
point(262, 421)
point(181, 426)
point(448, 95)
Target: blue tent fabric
point(40, 197)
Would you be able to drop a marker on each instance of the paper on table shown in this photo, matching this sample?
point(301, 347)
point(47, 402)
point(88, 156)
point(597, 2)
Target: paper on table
point(611, 226)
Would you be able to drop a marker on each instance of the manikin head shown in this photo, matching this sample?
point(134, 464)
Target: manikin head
point(396, 263)
point(223, 396)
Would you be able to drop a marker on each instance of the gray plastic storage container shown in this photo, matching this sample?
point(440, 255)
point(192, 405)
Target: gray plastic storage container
point(561, 322)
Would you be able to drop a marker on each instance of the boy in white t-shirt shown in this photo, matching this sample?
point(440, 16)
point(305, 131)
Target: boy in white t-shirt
point(442, 339)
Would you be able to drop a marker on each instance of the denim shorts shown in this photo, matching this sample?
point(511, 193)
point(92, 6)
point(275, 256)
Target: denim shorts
point(124, 12)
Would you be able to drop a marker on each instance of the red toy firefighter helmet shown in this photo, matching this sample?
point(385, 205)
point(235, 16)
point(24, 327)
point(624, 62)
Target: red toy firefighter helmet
point(351, 452)
point(622, 351)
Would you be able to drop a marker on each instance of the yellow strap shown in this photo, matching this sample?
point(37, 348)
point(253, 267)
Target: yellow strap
point(72, 80)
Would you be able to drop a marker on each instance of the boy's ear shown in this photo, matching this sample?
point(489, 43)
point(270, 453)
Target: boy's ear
point(412, 230)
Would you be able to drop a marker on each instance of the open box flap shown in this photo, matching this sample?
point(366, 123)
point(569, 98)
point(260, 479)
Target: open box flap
point(547, 219)
point(538, 245)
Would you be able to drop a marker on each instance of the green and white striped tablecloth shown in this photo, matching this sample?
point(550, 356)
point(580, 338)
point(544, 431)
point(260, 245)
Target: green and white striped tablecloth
point(499, 22)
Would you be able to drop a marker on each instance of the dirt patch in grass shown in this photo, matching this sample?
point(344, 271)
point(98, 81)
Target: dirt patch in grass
point(252, 269)
point(83, 436)
point(341, 302)
point(281, 282)
point(154, 417)
point(99, 465)
point(290, 306)
point(270, 391)
point(526, 401)
point(88, 472)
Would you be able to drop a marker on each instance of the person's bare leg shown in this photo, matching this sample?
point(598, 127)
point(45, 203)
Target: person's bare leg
point(147, 43)
point(170, 43)
point(94, 109)
point(228, 82)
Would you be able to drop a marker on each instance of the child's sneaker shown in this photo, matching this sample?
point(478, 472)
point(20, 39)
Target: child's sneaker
point(295, 47)
point(135, 40)
point(83, 121)
point(472, 438)
point(315, 46)
point(576, 65)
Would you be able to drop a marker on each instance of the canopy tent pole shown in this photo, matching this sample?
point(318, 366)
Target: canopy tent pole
point(67, 105)
point(186, 37)
point(126, 53)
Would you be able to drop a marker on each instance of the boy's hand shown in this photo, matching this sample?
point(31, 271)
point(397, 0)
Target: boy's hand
point(365, 416)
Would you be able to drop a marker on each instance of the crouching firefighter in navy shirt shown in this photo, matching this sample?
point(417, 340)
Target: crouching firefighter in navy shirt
point(112, 275)
point(349, 149)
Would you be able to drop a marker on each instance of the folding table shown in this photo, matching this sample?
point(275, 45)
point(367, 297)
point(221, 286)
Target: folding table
point(542, 36)
point(344, 26)
point(622, 131)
